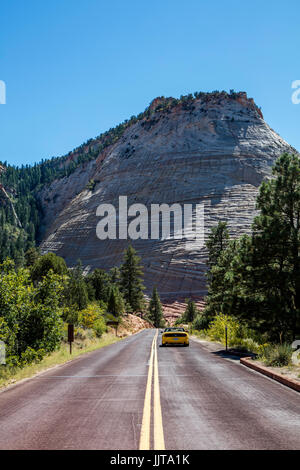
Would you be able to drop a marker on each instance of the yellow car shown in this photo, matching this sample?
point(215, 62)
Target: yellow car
point(175, 336)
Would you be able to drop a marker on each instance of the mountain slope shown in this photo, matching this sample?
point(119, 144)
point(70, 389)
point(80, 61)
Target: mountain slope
point(212, 148)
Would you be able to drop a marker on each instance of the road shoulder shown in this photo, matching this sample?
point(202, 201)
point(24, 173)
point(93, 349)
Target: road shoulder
point(289, 382)
point(43, 367)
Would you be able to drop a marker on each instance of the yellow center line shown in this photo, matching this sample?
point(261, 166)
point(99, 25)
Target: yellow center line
point(145, 430)
point(159, 442)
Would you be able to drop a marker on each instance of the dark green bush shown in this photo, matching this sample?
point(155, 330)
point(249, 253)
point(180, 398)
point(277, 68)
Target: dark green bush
point(278, 355)
point(201, 322)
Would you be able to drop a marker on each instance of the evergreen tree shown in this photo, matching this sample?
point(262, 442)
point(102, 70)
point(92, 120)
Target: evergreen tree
point(257, 278)
point(44, 263)
point(90, 290)
point(31, 256)
point(276, 247)
point(101, 284)
point(155, 314)
point(190, 311)
point(131, 276)
point(114, 274)
point(76, 293)
point(217, 242)
point(115, 302)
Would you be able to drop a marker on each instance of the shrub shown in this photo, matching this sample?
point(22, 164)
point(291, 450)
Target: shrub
point(30, 315)
point(91, 185)
point(110, 317)
point(277, 355)
point(216, 329)
point(81, 333)
point(30, 355)
point(249, 345)
point(99, 327)
point(88, 316)
point(201, 322)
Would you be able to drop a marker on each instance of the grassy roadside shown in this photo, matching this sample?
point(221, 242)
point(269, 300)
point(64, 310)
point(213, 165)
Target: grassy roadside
point(10, 376)
point(289, 370)
point(201, 335)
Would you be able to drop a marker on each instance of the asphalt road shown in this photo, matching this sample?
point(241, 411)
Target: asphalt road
point(136, 395)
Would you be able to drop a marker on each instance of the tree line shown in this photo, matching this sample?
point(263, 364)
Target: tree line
point(39, 298)
point(255, 279)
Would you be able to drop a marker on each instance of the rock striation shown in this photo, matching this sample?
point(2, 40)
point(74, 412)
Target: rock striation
point(214, 149)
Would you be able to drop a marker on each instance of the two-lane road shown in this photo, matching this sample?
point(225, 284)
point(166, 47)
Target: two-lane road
point(134, 394)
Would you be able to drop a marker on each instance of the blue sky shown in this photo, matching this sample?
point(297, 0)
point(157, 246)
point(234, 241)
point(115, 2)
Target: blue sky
point(75, 68)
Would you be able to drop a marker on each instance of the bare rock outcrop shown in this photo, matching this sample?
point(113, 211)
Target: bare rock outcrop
point(215, 149)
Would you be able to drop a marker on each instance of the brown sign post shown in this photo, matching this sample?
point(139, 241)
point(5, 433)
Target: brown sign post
point(70, 336)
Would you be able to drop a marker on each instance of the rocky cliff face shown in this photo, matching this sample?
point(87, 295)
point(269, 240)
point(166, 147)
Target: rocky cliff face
point(215, 149)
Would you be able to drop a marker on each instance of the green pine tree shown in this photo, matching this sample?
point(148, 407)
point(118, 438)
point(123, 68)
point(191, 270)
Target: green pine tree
point(31, 256)
point(217, 242)
point(43, 264)
point(76, 293)
point(276, 246)
point(190, 311)
point(257, 278)
point(155, 314)
point(115, 302)
point(131, 280)
point(100, 282)
point(114, 274)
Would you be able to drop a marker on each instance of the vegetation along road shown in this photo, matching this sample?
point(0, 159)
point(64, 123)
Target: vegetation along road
point(135, 395)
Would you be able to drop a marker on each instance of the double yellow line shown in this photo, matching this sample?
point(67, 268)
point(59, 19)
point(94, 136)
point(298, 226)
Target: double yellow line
point(159, 441)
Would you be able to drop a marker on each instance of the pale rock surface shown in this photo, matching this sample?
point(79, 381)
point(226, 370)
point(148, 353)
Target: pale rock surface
point(215, 152)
